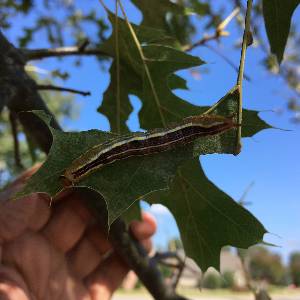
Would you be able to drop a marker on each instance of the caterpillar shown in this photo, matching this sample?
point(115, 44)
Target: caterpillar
point(145, 143)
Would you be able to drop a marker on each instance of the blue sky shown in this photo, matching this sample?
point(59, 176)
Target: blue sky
point(270, 159)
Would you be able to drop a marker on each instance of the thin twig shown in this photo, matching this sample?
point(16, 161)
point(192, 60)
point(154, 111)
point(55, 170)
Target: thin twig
point(203, 41)
point(14, 130)
point(178, 275)
point(240, 77)
point(219, 32)
point(242, 200)
point(227, 60)
point(33, 54)
point(61, 89)
point(244, 43)
point(117, 69)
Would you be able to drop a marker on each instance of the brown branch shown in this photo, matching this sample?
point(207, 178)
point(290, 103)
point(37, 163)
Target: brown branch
point(161, 258)
point(14, 129)
point(219, 32)
point(203, 41)
point(20, 94)
point(129, 249)
point(62, 89)
point(83, 45)
point(32, 54)
point(136, 257)
point(177, 276)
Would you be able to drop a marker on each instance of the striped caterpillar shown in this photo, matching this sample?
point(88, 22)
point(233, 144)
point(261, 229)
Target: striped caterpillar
point(145, 143)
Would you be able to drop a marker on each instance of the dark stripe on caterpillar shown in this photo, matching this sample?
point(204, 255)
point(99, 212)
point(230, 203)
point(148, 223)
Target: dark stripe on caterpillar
point(145, 144)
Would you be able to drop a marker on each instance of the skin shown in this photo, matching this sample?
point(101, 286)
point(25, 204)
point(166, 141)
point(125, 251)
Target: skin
point(58, 252)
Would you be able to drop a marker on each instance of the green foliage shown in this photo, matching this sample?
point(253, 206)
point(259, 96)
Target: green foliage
point(207, 218)
point(277, 16)
point(166, 272)
point(294, 268)
point(212, 281)
point(199, 207)
point(175, 245)
point(228, 278)
point(264, 265)
point(162, 61)
point(120, 183)
point(51, 24)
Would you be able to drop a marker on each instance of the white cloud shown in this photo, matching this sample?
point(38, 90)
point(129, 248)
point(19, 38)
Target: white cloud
point(159, 209)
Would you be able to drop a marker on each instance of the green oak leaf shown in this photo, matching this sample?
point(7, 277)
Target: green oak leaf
point(162, 61)
point(120, 183)
point(277, 16)
point(191, 191)
point(207, 218)
point(155, 11)
point(172, 17)
point(192, 195)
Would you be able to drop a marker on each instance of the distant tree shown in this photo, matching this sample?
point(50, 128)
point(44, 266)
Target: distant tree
point(175, 244)
point(294, 267)
point(264, 265)
point(212, 281)
point(228, 280)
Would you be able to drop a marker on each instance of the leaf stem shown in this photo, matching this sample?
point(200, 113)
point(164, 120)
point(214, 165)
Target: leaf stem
point(117, 69)
point(140, 50)
point(240, 77)
point(244, 43)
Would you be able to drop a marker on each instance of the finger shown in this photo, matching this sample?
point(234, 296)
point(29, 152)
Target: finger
point(143, 229)
point(17, 184)
point(30, 212)
point(12, 285)
point(69, 220)
point(87, 254)
point(31, 255)
point(43, 267)
point(112, 271)
point(84, 258)
point(99, 238)
point(107, 278)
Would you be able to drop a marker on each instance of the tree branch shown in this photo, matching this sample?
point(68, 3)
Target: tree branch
point(136, 257)
point(203, 41)
point(14, 129)
point(32, 54)
point(62, 89)
point(219, 32)
point(20, 94)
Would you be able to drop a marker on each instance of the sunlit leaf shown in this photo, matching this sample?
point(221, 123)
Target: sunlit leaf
point(277, 16)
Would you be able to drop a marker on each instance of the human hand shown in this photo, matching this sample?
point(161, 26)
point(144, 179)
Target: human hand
point(58, 252)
